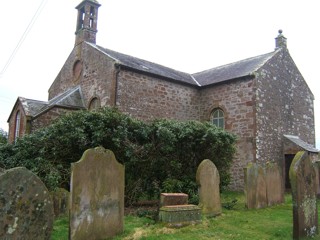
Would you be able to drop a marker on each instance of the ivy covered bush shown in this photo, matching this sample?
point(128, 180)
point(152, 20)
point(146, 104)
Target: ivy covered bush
point(161, 156)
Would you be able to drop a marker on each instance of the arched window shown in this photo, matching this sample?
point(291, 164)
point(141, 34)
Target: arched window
point(17, 126)
point(94, 103)
point(217, 117)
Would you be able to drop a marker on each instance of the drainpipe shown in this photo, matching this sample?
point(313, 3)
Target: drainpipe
point(118, 69)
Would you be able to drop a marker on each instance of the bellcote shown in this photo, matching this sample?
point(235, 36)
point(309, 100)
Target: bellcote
point(87, 21)
point(281, 41)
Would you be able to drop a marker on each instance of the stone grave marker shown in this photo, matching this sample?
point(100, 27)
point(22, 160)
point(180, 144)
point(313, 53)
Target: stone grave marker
point(60, 198)
point(208, 181)
point(96, 196)
point(26, 210)
point(303, 185)
point(255, 186)
point(273, 177)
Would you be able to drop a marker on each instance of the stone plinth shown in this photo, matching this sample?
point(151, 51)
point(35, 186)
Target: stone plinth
point(169, 199)
point(180, 215)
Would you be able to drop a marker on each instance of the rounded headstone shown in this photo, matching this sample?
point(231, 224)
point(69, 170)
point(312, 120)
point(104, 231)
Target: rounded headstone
point(26, 210)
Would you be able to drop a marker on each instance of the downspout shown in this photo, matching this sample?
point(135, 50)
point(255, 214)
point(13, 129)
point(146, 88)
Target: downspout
point(118, 69)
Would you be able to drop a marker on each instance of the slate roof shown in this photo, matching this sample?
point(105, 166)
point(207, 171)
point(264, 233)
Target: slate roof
point(306, 146)
point(215, 75)
point(146, 66)
point(243, 68)
point(72, 98)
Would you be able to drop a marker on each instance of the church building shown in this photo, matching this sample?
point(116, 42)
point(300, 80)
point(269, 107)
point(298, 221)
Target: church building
point(264, 99)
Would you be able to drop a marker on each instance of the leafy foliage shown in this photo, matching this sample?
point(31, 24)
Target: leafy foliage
point(3, 136)
point(159, 156)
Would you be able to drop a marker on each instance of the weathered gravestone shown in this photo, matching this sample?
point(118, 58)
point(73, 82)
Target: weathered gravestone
point(263, 185)
point(255, 186)
point(303, 185)
point(275, 194)
point(26, 210)
point(208, 181)
point(96, 196)
point(60, 199)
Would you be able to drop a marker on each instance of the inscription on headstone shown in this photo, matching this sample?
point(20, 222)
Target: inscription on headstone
point(96, 196)
point(303, 185)
point(26, 210)
point(208, 181)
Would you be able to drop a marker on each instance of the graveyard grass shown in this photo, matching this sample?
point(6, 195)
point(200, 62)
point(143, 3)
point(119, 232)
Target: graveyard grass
point(236, 222)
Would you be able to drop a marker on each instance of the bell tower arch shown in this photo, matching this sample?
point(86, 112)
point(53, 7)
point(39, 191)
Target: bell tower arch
point(87, 21)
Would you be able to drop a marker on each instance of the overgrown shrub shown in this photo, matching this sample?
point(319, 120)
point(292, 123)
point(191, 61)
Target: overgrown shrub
point(159, 156)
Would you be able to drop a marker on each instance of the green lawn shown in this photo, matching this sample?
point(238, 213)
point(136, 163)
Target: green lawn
point(238, 223)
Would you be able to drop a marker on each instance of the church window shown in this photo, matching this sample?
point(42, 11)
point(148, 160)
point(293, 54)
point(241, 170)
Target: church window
point(94, 104)
point(17, 126)
point(77, 68)
point(217, 117)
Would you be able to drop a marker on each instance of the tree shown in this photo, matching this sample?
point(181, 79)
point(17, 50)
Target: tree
point(3, 136)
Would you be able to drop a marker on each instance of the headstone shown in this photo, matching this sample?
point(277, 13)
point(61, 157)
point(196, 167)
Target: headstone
point(169, 199)
point(96, 196)
point(208, 181)
point(303, 185)
point(26, 210)
point(60, 198)
point(255, 186)
point(275, 194)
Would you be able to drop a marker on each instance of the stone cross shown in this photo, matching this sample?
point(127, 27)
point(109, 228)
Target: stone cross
point(303, 185)
point(26, 209)
point(96, 196)
point(208, 181)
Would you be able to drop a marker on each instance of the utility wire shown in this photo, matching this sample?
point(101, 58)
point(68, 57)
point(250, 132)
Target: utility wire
point(23, 37)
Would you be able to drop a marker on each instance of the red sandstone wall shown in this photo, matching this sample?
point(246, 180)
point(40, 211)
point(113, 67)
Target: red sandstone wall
point(146, 98)
point(96, 78)
point(236, 98)
point(48, 117)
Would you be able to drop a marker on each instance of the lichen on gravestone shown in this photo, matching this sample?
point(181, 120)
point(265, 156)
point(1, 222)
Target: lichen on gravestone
point(303, 185)
point(96, 196)
point(26, 210)
point(208, 180)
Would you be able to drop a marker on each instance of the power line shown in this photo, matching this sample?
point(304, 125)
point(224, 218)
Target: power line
point(23, 37)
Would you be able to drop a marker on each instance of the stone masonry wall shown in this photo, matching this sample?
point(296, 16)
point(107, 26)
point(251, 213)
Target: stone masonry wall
point(236, 98)
point(146, 98)
point(48, 117)
point(284, 106)
point(92, 70)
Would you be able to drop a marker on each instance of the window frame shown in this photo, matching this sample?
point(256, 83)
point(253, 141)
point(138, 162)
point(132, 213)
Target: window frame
point(216, 120)
point(17, 125)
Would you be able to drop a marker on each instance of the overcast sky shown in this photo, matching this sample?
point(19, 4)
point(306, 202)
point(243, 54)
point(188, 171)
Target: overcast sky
point(187, 35)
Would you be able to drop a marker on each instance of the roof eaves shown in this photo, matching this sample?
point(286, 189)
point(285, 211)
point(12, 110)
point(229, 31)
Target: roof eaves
point(59, 106)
